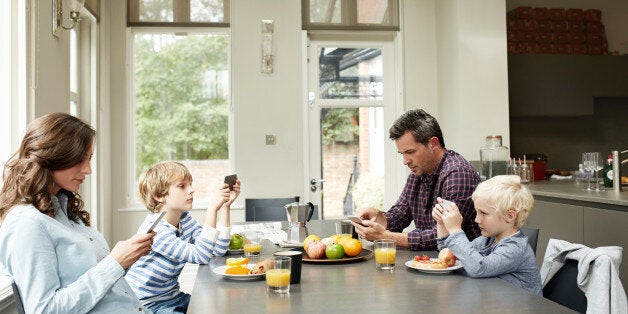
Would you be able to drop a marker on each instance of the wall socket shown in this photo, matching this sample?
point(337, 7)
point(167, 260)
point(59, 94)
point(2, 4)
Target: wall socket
point(271, 139)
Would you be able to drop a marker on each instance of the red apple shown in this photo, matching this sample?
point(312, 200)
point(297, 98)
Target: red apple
point(447, 256)
point(316, 249)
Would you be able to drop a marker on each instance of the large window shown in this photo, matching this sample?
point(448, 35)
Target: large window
point(181, 103)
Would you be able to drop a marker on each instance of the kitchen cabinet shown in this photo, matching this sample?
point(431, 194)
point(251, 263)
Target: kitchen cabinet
point(555, 220)
point(588, 223)
point(605, 228)
point(563, 85)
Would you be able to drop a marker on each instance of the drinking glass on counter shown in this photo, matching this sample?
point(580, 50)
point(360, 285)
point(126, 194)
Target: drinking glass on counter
point(598, 164)
point(278, 278)
point(385, 254)
point(587, 166)
point(253, 247)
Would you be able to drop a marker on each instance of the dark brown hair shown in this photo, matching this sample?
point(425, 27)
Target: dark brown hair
point(56, 141)
point(422, 125)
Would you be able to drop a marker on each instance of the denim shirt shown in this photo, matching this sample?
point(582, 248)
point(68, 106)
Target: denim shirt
point(61, 266)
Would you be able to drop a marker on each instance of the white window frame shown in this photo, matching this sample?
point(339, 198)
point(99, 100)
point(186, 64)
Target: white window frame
point(133, 204)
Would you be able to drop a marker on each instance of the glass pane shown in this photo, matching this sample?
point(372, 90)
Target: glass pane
point(350, 73)
point(181, 105)
point(352, 145)
point(207, 11)
point(373, 12)
point(325, 11)
point(156, 11)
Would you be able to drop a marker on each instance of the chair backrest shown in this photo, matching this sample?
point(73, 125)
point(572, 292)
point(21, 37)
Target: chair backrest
point(266, 209)
point(18, 299)
point(533, 236)
point(563, 288)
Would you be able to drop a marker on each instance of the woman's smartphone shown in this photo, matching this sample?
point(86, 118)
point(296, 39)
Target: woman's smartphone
point(231, 180)
point(161, 215)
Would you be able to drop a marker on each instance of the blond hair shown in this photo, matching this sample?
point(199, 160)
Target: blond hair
point(156, 181)
point(506, 193)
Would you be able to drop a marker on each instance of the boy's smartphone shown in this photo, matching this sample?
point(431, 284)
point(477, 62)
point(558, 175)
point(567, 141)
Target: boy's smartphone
point(231, 180)
point(355, 219)
point(446, 203)
point(161, 215)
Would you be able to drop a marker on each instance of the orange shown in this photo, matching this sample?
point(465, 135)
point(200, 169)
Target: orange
point(237, 270)
point(310, 238)
point(353, 247)
point(236, 261)
point(342, 239)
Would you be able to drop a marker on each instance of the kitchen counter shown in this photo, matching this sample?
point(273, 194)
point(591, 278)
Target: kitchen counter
point(570, 191)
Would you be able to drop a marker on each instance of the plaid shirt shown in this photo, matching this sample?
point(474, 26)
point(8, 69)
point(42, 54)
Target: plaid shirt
point(454, 179)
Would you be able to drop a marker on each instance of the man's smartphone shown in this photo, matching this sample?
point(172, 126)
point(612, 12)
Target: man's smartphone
point(355, 219)
point(231, 180)
point(446, 203)
point(161, 215)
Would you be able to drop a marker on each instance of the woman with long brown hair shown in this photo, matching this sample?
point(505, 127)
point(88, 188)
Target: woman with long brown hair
point(58, 261)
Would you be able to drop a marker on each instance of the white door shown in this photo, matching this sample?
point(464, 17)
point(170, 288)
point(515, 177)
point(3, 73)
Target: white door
point(351, 105)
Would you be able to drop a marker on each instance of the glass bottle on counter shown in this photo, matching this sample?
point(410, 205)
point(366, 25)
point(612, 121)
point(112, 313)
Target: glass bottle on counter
point(607, 172)
point(493, 158)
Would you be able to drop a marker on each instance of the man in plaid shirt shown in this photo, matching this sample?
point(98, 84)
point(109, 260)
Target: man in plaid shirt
point(436, 172)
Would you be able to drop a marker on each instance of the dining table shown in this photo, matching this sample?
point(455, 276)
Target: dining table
point(356, 285)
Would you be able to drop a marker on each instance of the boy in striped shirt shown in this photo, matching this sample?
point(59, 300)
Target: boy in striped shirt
point(179, 239)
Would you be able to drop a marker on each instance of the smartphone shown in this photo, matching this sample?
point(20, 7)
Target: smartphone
point(446, 203)
point(161, 215)
point(231, 180)
point(355, 219)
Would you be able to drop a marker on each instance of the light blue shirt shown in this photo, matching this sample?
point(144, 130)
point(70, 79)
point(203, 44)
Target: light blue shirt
point(61, 266)
point(511, 259)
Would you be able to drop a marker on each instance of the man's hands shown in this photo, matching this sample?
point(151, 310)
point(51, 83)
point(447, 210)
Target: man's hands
point(128, 251)
point(373, 225)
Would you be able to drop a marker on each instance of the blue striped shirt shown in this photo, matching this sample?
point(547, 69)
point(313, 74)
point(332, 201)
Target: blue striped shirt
point(154, 277)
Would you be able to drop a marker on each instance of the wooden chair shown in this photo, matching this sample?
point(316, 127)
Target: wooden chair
point(533, 236)
point(18, 299)
point(563, 288)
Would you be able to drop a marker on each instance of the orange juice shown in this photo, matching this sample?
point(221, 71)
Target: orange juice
point(252, 249)
point(385, 255)
point(278, 277)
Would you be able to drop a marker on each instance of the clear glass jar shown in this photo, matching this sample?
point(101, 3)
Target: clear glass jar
point(494, 158)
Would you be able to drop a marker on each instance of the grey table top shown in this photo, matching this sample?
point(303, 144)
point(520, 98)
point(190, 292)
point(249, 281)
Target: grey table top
point(571, 190)
point(357, 286)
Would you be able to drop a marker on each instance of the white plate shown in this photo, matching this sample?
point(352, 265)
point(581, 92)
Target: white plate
point(435, 271)
point(220, 270)
point(239, 251)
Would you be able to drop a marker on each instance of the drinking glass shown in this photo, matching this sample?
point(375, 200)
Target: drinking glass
point(587, 166)
point(385, 254)
point(597, 165)
point(253, 248)
point(278, 278)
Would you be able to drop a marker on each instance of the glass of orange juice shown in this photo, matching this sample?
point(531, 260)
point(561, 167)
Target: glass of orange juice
point(278, 278)
point(252, 246)
point(385, 254)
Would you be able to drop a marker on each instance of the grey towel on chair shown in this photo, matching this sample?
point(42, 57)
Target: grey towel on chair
point(598, 273)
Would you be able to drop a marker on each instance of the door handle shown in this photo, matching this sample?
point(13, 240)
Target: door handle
point(313, 183)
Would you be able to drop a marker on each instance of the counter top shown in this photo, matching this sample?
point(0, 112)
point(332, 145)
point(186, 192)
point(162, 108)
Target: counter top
point(576, 191)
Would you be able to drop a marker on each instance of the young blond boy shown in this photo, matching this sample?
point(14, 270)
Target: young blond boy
point(179, 239)
point(502, 206)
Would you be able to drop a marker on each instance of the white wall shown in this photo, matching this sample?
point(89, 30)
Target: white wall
point(453, 66)
point(472, 74)
point(614, 16)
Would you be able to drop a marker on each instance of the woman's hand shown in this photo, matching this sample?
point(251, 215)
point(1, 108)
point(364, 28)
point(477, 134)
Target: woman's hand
point(128, 251)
